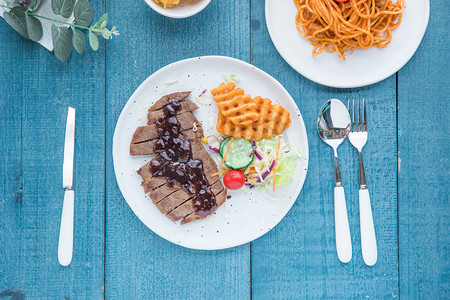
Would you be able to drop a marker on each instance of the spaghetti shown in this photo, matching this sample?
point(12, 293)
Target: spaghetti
point(340, 26)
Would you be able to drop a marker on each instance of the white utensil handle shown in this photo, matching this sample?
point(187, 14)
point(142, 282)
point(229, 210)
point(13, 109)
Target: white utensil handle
point(368, 239)
point(65, 246)
point(343, 240)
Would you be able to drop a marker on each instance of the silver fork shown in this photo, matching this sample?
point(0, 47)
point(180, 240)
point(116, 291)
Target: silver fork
point(358, 138)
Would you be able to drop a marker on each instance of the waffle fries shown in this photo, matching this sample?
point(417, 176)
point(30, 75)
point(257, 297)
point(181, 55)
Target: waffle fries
point(240, 116)
point(273, 119)
point(234, 105)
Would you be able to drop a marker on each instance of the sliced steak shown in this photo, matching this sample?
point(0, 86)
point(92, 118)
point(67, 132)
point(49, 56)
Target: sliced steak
point(209, 167)
point(160, 187)
point(198, 152)
point(167, 196)
point(220, 199)
point(184, 188)
point(149, 132)
point(187, 212)
point(145, 172)
point(172, 201)
point(146, 148)
point(186, 106)
point(184, 209)
point(163, 191)
point(181, 96)
point(178, 198)
point(149, 183)
point(153, 183)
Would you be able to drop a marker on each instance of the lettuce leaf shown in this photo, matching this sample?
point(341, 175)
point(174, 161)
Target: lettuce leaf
point(285, 171)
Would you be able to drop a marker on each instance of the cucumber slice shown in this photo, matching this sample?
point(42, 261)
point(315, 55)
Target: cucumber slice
point(222, 143)
point(239, 154)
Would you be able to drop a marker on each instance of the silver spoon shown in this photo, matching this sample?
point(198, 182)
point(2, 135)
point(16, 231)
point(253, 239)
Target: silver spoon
point(333, 124)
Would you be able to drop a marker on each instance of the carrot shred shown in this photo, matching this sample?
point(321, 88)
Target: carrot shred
point(220, 172)
point(275, 165)
point(255, 165)
point(253, 179)
point(226, 152)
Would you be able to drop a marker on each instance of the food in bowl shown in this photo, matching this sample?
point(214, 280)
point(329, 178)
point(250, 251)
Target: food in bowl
point(170, 3)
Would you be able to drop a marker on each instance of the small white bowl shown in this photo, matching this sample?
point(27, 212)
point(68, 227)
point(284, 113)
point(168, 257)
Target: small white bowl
point(183, 10)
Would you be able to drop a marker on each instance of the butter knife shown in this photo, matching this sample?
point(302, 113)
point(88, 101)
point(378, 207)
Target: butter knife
point(65, 246)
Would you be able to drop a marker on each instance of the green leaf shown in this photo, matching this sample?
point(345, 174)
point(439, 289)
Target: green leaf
point(106, 35)
point(79, 41)
point(63, 7)
point(33, 5)
point(83, 13)
point(99, 23)
point(62, 42)
point(18, 21)
point(34, 28)
point(93, 41)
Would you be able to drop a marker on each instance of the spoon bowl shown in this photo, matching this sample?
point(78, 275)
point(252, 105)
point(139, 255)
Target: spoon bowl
point(333, 123)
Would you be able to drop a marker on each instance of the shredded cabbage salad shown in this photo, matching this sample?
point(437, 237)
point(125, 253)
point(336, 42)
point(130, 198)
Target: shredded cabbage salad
point(230, 78)
point(259, 174)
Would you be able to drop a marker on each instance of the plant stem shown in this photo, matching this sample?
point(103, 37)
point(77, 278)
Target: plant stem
point(53, 20)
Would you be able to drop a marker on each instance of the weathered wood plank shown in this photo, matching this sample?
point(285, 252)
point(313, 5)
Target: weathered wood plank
point(140, 264)
point(424, 163)
point(36, 91)
point(11, 187)
point(298, 259)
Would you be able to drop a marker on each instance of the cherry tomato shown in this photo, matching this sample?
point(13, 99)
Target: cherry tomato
point(234, 180)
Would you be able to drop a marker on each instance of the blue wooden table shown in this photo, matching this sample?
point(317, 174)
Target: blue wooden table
point(117, 257)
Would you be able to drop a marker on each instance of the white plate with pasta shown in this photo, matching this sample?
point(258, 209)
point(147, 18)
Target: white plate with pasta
point(360, 68)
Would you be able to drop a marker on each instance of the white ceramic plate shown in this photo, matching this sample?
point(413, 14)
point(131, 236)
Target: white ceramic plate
point(361, 68)
point(183, 10)
point(244, 217)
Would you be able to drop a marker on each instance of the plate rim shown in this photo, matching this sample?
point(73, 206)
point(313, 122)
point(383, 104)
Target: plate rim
point(394, 70)
point(141, 87)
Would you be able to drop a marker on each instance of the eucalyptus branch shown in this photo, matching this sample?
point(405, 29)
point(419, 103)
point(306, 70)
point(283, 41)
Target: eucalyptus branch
point(42, 17)
point(115, 32)
point(28, 25)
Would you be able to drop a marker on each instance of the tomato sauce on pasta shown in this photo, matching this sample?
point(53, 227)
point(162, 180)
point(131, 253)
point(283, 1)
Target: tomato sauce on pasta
point(340, 26)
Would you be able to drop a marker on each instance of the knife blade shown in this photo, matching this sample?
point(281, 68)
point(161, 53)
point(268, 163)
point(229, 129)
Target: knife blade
point(69, 146)
point(65, 244)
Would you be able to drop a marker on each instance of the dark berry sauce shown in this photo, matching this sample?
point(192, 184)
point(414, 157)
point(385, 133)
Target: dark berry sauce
point(175, 162)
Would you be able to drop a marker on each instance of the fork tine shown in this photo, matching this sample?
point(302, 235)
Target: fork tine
point(365, 115)
point(353, 116)
point(350, 113)
point(359, 115)
point(348, 106)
